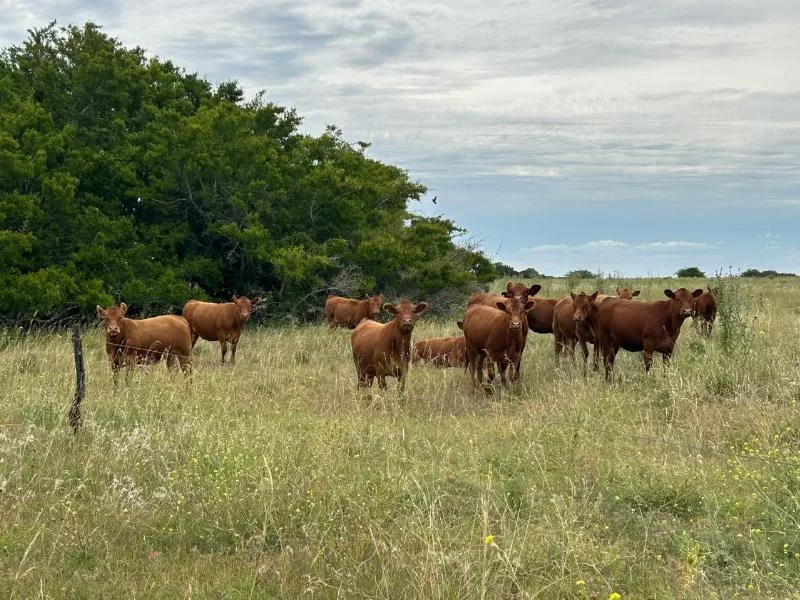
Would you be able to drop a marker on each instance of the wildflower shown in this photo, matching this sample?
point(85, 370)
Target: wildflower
point(580, 583)
point(488, 539)
point(614, 596)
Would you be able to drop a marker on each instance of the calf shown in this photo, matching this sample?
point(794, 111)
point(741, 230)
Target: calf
point(497, 333)
point(704, 311)
point(519, 291)
point(441, 351)
point(383, 349)
point(348, 313)
point(642, 326)
point(574, 321)
point(142, 341)
point(626, 294)
point(219, 322)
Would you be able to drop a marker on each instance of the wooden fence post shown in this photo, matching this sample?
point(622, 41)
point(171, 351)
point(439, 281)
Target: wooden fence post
point(75, 418)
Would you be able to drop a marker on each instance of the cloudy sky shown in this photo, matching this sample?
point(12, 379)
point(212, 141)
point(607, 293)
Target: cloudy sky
point(615, 135)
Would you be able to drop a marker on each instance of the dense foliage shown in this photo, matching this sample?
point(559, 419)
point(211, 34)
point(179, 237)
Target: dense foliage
point(690, 272)
point(767, 273)
point(504, 270)
point(122, 177)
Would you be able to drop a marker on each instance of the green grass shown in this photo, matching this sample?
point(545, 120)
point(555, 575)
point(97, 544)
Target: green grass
point(276, 478)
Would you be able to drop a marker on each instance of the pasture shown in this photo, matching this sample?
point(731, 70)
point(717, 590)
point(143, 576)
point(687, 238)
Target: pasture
point(276, 478)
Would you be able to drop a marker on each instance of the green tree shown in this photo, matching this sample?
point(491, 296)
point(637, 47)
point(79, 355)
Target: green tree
point(690, 272)
point(124, 177)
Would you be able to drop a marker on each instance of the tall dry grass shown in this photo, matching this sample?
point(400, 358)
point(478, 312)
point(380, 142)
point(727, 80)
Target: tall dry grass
point(276, 478)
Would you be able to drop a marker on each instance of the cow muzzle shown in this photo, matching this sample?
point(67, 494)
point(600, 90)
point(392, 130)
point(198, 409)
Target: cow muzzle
point(515, 325)
point(407, 326)
point(113, 333)
point(577, 317)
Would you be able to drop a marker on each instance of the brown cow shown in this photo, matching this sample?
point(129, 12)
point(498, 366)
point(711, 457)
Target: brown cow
point(574, 321)
point(346, 312)
point(704, 312)
point(142, 341)
point(383, 349)
point(498, 334)
point(623, 293)
point(513, 290)
point(642, 326)
point(540, 319)
point(441, 351)
point(219, 322)
point(626, 294)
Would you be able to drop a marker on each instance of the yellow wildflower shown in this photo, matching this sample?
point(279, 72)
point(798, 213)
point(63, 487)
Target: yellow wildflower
point(488, 539)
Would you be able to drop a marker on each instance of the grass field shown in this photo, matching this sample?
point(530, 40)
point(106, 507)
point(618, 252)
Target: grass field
point(276, 478)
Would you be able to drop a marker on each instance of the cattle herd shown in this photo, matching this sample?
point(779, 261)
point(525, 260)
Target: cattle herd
point(495, 329)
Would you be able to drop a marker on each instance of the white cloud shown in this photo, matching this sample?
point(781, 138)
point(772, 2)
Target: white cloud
point(613, 246)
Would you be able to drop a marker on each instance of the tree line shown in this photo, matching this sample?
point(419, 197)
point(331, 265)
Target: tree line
point(123, 177)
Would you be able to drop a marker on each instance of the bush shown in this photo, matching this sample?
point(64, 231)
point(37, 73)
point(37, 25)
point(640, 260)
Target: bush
point(690, 272)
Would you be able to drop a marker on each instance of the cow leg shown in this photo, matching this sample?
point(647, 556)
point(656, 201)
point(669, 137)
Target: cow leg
point(382, 382)
point(585, 350)
point(234, 343)
point(666, 359)
point(194, 337)
point(609, 354)
point(502, 366)
point(477, 370)
point(648, 357)
point(186, 367)
point(224, 347)
point(489, 370)
point(596, 365)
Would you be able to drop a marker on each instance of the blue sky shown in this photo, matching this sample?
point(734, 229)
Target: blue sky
point(617, 135)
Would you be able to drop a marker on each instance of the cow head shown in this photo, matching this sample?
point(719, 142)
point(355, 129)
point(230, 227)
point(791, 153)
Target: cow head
point(626, 294)
point(111, 319)
point(245, 306)
point(515, 309)
point(683, 300)
point(583, 306)
point(405, 313)
point(520, 291)
point(375, 303)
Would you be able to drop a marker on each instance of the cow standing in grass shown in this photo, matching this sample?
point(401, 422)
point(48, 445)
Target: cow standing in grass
point(219, 322)
point(497, 334)
point(384, 349)
point(704, 312)
point(574, 322)
point(348, 313)
point(142, 341)
point(642, 326)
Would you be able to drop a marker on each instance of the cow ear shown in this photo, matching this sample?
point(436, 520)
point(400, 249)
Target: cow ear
point(534, 289)
point(123, 308)
point(669, 293)
point(234, 298)
point(617, 290)
point(421, 307)
point(593, 297)
point(505, 294)
point(100, 312)
point(501, 305)
point(572, 294)
point(697, 292)
point(389, 308)
point(460, 325)
point(509, 287)
point(636, 293)
point(529, 305)
point(255, 301)
point(709, 289)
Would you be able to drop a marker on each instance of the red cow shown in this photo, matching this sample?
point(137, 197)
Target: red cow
point(574, 321)
point(346, 312)
point(219, 322)
point(642, 326)
point(441, 351)
point(497, 333)
point(142, 341)
point(626, 294)
point(384, 349)
point(704, 312)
